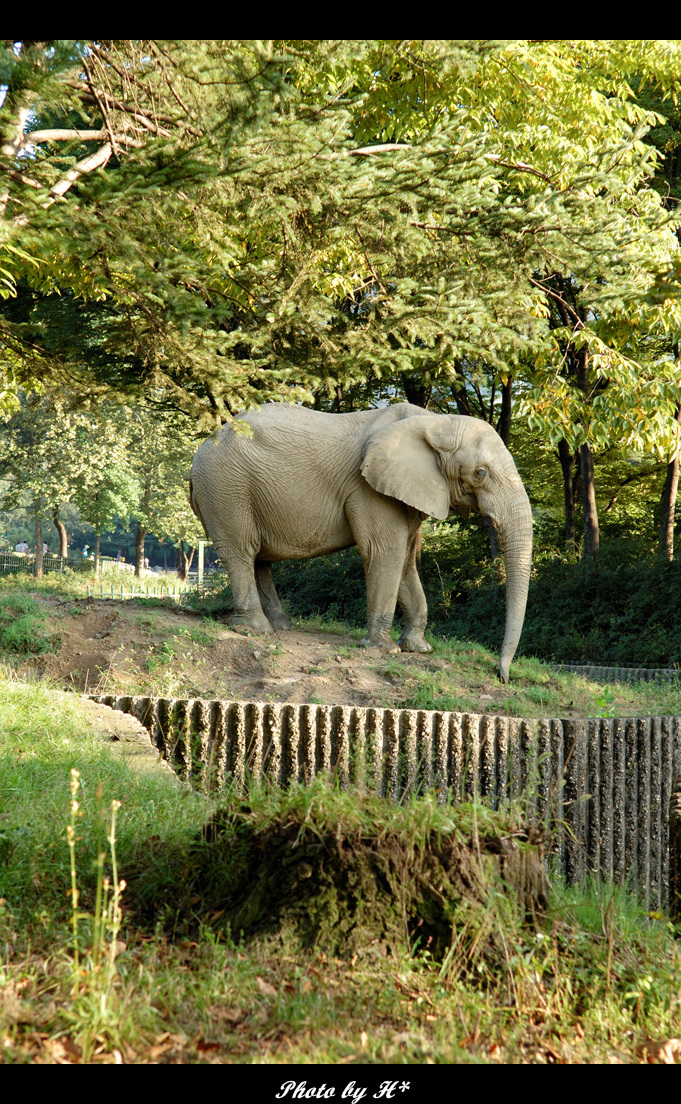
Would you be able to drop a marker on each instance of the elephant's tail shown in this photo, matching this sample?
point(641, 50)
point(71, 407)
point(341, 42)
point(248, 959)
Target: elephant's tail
point(195, 507)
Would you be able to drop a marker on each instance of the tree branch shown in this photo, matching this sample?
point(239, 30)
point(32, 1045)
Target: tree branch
point(549, 291)
point(87, 165)
point(632, 479)
point(102, 109)
point(62, 136)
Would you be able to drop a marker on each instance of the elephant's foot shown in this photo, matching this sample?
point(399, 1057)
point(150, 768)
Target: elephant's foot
point(414, 641)
point(380, 640)
point(254, 620)
point(280, 621)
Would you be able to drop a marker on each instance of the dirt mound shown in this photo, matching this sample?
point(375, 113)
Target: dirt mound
point(133, 648)
point(358, 893)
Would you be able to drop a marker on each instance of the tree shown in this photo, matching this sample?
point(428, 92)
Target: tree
point(44, 454)
point(217, 225)
point(161, 447)
point(105, 493)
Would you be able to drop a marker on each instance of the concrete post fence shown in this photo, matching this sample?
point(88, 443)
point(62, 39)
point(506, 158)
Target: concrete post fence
point(601, 786)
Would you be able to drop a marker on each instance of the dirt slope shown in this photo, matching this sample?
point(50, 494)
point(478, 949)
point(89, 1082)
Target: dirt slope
point(107, 645)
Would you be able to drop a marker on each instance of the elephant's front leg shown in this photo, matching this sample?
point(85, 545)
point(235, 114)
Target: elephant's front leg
point(381, 538)
point(413, 603)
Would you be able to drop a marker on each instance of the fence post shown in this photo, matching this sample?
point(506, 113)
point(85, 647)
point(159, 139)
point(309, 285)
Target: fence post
point(675, 853)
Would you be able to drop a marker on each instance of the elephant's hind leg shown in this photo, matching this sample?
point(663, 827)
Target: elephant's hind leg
point(269, 597)
point(247, 608)
point(413, 603)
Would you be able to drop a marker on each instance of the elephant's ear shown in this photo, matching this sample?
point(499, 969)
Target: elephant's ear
point(399, 462)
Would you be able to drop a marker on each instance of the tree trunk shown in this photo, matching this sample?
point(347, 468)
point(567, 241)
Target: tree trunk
point(566, 461)
point(586, 466)
point(184, 561)
point(38, 544)
point(668, 502)
point(139, 551)
point(61, 530)
point(504, 423)
point(462, 404)
point(416, 391)
point(591, 530)
point(98, 538)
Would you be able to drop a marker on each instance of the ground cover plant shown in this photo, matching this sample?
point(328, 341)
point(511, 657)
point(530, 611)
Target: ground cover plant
point(21, 624)
point(590, 979)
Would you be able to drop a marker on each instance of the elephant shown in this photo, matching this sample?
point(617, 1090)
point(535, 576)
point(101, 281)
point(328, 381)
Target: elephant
point(301, 483)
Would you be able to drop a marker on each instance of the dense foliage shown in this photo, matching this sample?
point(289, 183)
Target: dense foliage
point(485, 228)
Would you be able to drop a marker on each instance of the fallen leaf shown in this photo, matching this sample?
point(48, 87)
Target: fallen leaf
point(663, 1050)
point(265, 988)
point(363, 1040)
point(157, 1051)
point(231, 1015)
point(553, 1050)
point(203, 1046)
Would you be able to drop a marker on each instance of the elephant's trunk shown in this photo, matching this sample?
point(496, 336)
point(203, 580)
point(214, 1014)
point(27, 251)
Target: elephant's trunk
point(515, 529)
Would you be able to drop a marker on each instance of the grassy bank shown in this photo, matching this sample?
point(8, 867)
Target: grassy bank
point(592, 982)
point(163, 649)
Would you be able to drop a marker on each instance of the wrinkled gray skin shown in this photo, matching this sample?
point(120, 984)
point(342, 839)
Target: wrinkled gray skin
point(308, 483)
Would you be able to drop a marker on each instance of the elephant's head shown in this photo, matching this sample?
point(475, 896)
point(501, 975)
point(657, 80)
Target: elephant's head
point(437, 461)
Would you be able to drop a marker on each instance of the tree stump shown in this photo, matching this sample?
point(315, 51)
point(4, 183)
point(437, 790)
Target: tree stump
point(350, 893)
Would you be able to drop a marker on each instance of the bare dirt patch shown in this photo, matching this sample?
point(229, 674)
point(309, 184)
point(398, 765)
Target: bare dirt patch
point(129, 647)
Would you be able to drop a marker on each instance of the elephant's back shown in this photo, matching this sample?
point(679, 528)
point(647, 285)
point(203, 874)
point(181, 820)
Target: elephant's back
point(278, 421)
point(293, 437)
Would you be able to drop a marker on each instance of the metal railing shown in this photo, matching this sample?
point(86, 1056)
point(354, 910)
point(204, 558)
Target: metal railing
point(25, 561)
point(626, 673)
point(138, 590)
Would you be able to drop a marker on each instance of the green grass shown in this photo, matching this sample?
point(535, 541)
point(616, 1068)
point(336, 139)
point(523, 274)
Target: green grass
point(462, 676)
point(21, 622)
point(591, 984)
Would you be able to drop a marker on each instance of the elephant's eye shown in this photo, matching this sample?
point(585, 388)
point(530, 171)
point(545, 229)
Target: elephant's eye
point(480, 473)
